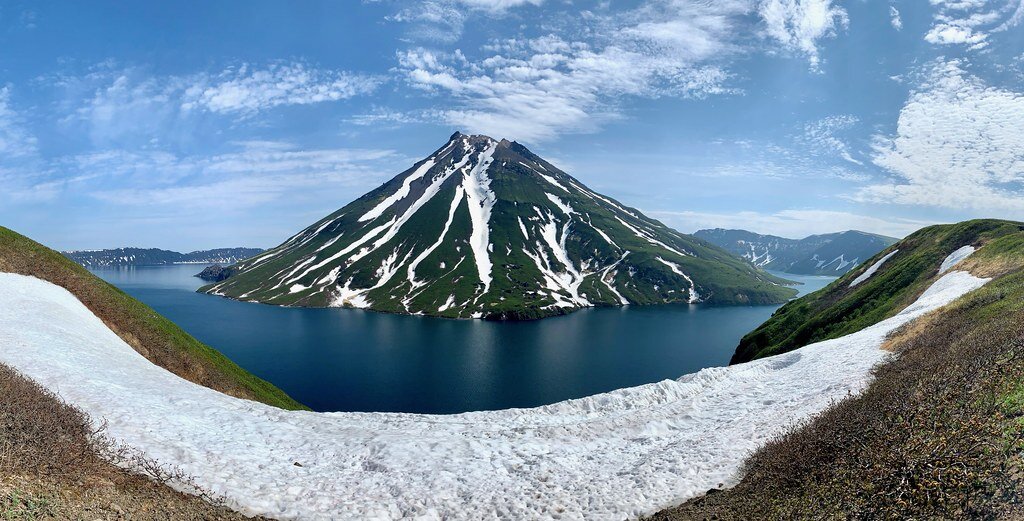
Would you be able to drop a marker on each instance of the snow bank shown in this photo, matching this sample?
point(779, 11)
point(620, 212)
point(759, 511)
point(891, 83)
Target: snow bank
point(872, 269)
point(608, 456)
point(954, 258)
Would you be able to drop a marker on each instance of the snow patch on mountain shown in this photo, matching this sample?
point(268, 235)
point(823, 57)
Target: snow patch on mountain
point(955, 258)
point(459, 192)
point(566, 209)
point(872, 269)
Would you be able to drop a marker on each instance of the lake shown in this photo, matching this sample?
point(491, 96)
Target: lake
point(355, 360)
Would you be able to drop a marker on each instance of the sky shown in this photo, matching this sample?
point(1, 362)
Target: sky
point(190, 125)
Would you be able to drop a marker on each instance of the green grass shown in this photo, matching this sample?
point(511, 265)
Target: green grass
point(22, 506)
point(155, 337)
point(839, 310)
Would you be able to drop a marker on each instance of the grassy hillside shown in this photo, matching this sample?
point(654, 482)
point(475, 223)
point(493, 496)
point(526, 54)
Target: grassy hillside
point(939, 434)
point(839, 309)
point(152, 335)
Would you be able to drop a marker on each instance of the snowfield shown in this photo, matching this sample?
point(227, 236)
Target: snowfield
point(609, 456)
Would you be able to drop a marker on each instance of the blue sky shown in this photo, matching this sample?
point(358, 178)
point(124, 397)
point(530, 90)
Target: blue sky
point(188, 125)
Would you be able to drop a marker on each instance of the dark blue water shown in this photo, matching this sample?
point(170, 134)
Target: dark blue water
point(353, 360)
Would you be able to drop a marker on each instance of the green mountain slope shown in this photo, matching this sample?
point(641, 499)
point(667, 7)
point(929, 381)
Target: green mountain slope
point(485, 228)
point(910, 266)
point(830, 254)
point(939, 432)
point(152, 335)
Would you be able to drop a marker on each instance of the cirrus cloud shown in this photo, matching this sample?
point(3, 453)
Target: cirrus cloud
point(15, 139)
point(115, 105)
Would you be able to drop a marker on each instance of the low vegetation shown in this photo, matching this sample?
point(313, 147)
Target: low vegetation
point(152, 335)
point(939, 434)
point(840, 309)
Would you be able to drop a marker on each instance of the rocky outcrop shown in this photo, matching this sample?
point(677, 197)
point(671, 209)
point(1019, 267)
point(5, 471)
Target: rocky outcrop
point(215, 273)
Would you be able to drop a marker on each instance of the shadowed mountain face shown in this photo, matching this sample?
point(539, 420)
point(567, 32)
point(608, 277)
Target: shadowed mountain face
point(831, 254)
point(485, 228)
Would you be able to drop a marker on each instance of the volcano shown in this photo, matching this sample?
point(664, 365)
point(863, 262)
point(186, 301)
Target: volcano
point(484, 228)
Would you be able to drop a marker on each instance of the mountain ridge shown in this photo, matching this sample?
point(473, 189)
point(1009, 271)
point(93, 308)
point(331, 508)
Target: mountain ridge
point(832, 254)
point(130, 256)
point(483, 228)
point(890, 281)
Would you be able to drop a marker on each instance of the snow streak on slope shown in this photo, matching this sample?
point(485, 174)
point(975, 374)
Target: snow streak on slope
point(609, 456)
point(459, 192)
point(647, 237)
point(954, 258)
point(481, 200)
point(694, 296)
point(402, 192)
point(872, 269)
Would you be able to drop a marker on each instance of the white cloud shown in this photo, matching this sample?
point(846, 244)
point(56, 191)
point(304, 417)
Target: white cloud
point(958, 144)
point(498, 5)
point(894, 18)
point(443, 21)
point(535, 89)
point(799, 24)
point(795, 223)
point(15, 140)
point(435, 21)
point(123, 105)
point(538, 88)
point(972, 22)
point(244, 90)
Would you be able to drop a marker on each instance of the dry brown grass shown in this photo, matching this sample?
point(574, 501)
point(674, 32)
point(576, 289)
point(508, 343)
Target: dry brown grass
point(895, 340)
point(54, 465)
point(990, 267)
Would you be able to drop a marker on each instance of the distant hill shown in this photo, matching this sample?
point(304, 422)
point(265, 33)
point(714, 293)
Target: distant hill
point(829, 254)
point(156, 257)
point(485, 228)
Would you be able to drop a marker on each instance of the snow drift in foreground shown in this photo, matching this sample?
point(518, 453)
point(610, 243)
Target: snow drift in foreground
point(608, 456)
